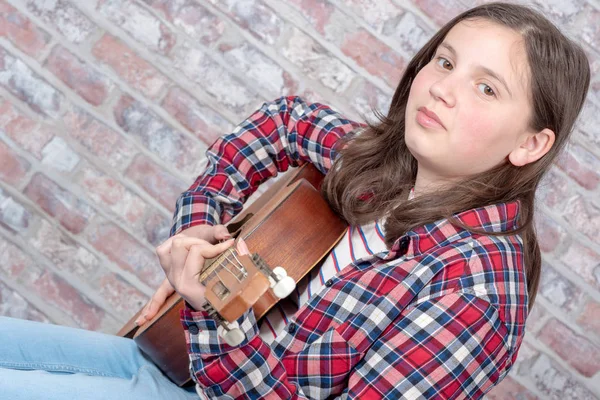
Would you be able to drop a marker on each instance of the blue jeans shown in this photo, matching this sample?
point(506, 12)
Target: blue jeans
point(51, 362)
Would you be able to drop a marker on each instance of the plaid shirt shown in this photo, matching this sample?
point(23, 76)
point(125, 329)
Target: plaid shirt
point(439, 315)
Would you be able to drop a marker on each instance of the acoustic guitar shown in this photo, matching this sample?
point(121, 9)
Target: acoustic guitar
point(289, 230)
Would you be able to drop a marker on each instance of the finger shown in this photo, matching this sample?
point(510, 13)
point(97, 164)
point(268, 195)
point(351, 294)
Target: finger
point(179, 251)
point(163, 252)
point(221, 233)
point(242, 247)
point(156, 301)
point(195, 260)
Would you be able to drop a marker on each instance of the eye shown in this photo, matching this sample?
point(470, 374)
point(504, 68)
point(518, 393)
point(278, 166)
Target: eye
point(442, 62)
point(488, 91)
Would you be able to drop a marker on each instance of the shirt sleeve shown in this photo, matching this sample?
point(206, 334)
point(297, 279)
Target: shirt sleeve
point(282, 133)
point(248, 371)
point(451, 347)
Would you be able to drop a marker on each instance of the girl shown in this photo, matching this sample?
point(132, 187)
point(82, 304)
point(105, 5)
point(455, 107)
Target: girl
point(428, 293)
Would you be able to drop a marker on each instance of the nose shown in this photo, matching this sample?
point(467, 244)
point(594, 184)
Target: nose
point(442, 90)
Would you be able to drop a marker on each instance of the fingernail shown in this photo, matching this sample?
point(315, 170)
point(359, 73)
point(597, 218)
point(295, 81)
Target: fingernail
point(243, 247)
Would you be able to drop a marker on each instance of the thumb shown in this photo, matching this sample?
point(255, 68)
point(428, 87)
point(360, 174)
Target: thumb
point(217, 249)
point(220, 232)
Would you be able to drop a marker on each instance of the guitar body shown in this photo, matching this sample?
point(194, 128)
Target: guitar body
point(290, 225)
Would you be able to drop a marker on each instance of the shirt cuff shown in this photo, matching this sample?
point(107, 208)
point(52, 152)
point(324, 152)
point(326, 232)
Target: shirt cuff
point(201, 331)
point(193, 209)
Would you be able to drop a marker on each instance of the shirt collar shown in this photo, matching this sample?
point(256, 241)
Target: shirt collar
point(499, 217)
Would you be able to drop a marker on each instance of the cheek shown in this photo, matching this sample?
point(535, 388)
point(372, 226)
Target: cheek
point(479, 135)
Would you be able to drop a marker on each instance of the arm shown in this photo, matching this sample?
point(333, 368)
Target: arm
point(451, 347)
point(282, 133)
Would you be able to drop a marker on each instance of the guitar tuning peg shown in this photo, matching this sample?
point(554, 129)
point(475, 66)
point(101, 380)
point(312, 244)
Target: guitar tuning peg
point(231, 333)
point(281, 283)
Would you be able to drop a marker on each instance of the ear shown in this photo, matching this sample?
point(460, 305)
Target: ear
point(532, 148)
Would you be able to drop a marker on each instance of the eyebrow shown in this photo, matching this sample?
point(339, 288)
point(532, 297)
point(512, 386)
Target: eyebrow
point(486, 70)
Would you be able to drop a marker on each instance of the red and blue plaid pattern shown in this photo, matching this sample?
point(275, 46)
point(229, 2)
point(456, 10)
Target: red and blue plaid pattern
point(439, 315)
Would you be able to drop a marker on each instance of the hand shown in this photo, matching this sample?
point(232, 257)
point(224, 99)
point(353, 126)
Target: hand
point(186, 261)
point(156, 301)
point(211, 234)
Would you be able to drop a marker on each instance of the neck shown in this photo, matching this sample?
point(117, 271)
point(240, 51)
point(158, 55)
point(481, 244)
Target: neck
point(427, 181)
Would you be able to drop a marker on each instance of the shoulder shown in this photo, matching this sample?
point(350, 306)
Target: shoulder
point(495, 273)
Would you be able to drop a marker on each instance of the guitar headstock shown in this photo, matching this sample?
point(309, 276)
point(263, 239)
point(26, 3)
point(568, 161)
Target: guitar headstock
point(234, 282)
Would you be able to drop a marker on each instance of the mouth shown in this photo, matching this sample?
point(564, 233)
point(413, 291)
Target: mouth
point(428, 118)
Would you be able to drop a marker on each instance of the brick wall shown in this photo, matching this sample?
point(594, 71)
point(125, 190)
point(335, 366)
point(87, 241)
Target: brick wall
point(107, 106)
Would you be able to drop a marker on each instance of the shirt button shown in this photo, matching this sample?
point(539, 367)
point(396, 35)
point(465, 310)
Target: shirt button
point(193, 329)
point(329, 283)
point(292, 327)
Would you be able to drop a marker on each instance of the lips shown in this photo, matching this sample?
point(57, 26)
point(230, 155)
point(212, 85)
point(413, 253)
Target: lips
point(431, 115)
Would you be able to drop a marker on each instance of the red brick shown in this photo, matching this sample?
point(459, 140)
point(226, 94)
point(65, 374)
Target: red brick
point(58, 293)
point(317, 12)
point(141, 24)
point(156, 227)
point(13, 168)
point(227, 90)
point(582, 261)
point(161, 185)
point(110, 194)
point(72, 212)
point(588, 122)
point(21, 31)
point(560, 291)
point(369, 96)
point(65, 253)
point(13, 215)
point(381, 15)
point(316, 62)
point(260, 69)
point(28, 86)
point(526, 356)
point(124, 250)
point(580, 165)
point(590, 317)
point(574, 349)
point(585, 25)
point(411, 32)
point(376, 57)
point(441, 11)
point(79, 75)
point(26, 132)
point(13, 261)
point(537, 316)
point(64, 17)
point(253, 15)
point(549, 233)
point(12, 304)
point(170, 145)
point(194, 19)
point(584, 216)
point(102, 141)
point(133, 69)
point(124, 299)
point(58, 155)
point(554, 190)
point(510, 389)
point(554, 382)
point(202, 121)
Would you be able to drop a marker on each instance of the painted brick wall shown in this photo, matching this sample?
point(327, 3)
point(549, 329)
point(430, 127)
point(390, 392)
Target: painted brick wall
point(107, 106)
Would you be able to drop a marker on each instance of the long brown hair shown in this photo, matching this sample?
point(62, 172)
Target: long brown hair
point(378, 162)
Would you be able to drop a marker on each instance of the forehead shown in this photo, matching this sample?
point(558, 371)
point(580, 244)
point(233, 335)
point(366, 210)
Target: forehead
point(481, 42)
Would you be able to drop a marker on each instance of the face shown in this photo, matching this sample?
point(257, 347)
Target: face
point(476, 85)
